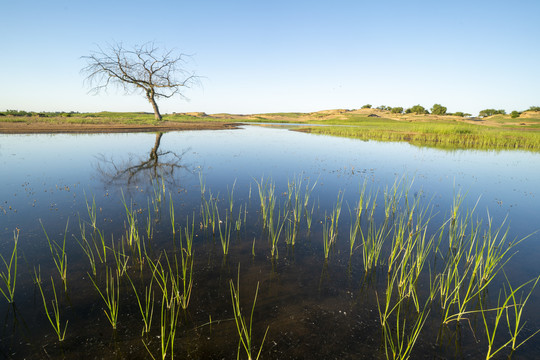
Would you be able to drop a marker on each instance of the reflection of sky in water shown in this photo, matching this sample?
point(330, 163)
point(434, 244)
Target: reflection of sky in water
point(507, 181)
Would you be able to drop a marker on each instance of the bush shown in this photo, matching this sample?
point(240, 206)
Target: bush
point(397, 110)
point(417, 109)
point(17, 113)
point(515, 114)
point(491, 112)
point(534, 108)
point(367, 106)
point(438, 109)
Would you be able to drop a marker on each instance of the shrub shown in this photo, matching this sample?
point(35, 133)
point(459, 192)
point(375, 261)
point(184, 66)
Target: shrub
point(534, 108)
point(17, 113)
point(367, 106)
point(491, 112)
point(397, 110)
point(438, 109)
point(417, 109)
point(514, 114)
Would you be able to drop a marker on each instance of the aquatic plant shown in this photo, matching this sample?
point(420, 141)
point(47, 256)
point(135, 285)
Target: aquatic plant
point(110, 295)
point(59, 254)
point(189, 235)
point(9, 277)
point(85, 246)
point(92, 210)
point(372, 242)
point(514, 312)
point(146, 308)
point(230, 196)
point(242, 325)
point(171, 214)
point(274, 232)
point(225, 235)
point(54, 320)
point(181, 278)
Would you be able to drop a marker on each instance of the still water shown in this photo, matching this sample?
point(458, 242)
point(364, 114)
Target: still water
point(312, 307)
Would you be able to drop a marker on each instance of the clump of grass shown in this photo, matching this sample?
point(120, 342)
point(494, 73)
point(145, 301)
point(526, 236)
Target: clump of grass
point(268, 200)
point(92, 210)
point(146, 308)
point(274, 232)
point(514, 312)
point(181, 277)
point(9, 277)
point(438, 135)
point(225, 235)
point(230, 197)
point(171, 214)
point(110, 295)
point(54, 320)
point(242, 325)
point(189, 233)
point(85, 246)
point(59, 254)
point(372, 242)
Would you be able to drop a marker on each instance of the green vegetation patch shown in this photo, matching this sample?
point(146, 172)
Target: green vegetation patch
point(446, 136)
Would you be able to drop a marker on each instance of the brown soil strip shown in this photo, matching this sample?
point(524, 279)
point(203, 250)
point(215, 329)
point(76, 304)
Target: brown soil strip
point(46, 128)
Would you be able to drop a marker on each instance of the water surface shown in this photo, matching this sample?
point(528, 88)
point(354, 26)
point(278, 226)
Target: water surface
point(314, 308)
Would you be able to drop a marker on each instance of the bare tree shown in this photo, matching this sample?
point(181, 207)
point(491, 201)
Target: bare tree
point(158, 74)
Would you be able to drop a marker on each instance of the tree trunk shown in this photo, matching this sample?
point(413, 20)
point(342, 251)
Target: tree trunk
point(153, 152)
point(150, 97)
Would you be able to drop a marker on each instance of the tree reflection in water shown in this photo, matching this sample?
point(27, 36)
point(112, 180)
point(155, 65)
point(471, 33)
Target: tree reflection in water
point(139, 170)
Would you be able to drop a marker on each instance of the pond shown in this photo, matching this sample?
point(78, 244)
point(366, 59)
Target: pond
point(142, 243)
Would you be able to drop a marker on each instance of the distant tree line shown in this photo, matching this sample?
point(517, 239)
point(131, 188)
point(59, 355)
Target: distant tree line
point(38, 114)
point(438, 109)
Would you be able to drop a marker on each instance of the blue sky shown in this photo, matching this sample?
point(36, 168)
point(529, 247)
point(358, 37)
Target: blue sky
point(273, 56)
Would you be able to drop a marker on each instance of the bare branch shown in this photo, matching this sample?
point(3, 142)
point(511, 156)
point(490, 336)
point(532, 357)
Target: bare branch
point(157, 74)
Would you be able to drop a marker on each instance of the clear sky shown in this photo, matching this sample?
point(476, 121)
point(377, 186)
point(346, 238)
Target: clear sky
point(272, 56)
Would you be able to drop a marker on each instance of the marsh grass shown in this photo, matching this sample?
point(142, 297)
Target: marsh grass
point(171, 214)
point(243, 325)
point(168, 327)
point(400, 339)
point(400, 248)
point(225, 235)
point(110, 295)
point(514, 311)
point(85, 246)
point(267, 199)
point(54, 319)
point(373, 239)
point(59, 254)
point(189, 234)
point(120, 258)
point(181, 277)
point(274, 231)
point(92, 210)
point(161, 276)
point(147, 307)
point(447, 136)
point(9, 276)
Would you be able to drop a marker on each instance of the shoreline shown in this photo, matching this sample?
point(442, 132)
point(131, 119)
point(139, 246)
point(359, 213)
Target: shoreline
point(71, 128)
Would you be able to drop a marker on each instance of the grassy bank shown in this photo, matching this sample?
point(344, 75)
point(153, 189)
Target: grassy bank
point(105, 117)
point(442, 131)
point(440, 135)
point(449, 132)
